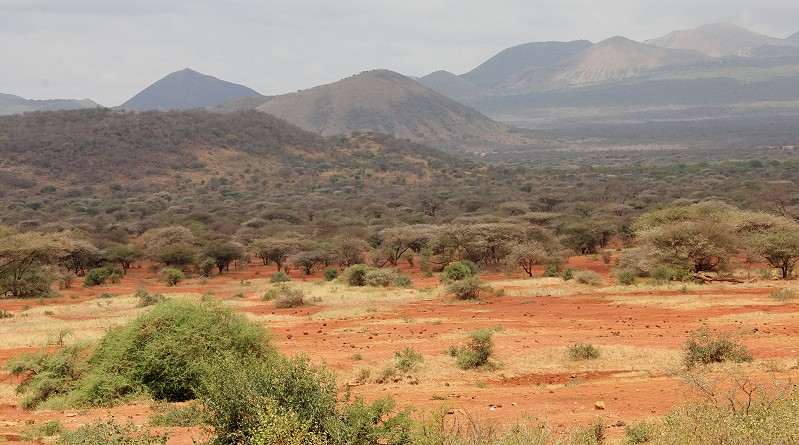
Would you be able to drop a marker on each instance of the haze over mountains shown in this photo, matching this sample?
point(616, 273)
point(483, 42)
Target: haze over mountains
point(11, 104)
point(687, 87)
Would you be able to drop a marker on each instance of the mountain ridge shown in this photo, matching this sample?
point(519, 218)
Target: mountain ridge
point(186, 89)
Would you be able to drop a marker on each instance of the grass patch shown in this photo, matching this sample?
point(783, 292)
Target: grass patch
point(580, 351)
point(407, 360)
point(785, 294)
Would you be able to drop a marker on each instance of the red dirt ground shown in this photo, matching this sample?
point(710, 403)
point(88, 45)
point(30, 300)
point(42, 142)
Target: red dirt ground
point(565, 398)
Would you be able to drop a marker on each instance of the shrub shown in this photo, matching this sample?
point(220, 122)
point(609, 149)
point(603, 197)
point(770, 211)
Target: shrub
point(403, 281)
point(171, 276)
point(579, 351)
point(99, 275)
point(48, 428)
point(162, 351)
point(330, 274)
point(175, 415)
point(568, 273)
point(279, 277)
point(355, 275)
point(289, 298)
point(626, 277)
point(407, 360)
point(148, 299)
point(704, 348)
point(206, 267)
point(288, 400)
point(379, 277)
point(477, 351)
point(112, 433)
point(466, 289)
point(47, 374)
point(458, 270)
point(783, 294)
point(639, 432)
point(588, 277)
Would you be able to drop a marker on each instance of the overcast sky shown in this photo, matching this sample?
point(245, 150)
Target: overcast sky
point(109, 50)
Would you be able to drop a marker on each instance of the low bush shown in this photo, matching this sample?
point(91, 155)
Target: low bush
point(379, 277)
point(279, 277)
point(580, 351)
point(568, 274)
point(36, 432)
point(407, 360)
point(167, 415)
point(100, 275)
point(403, 281)
point(704, 348)
point(466, 289)
point(330, 274)
point(148, 299)
point(171, 276)
point(289, 298)
point(288, 400)
point(48, 374)
point(626, 277)
point(109, 432)
point(355, 275)
point(588, 277)
point(206, 267)
point(785, 294)
point(477, 351)
point(458, 270)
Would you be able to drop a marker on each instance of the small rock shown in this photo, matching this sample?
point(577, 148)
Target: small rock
point(289, 336)
point(492, 408)
point(599, 405)
point(619, 424)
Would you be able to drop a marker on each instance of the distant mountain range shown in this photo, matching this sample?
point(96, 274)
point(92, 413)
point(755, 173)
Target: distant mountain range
point(11, 104)
point(693, 86)
point(184, 90)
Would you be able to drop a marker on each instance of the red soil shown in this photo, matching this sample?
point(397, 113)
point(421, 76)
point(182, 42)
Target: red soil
point(565, 398)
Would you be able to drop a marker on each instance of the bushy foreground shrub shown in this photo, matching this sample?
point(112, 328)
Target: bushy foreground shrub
point(288, 400)
point(161, 353)
point(704, 348)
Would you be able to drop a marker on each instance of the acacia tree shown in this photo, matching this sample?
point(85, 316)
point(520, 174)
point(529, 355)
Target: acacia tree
point(779, 246)
point(348, 250)
point(397, 240)
point(223, 252)
point(175, 246)
point(25, 259)
point(528, 255)
point(277, 249)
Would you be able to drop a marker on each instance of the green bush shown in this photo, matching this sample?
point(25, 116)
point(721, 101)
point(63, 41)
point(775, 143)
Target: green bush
point(206, 267)
point(458, 270)
point(330, 274)
point(109, 432)
point(171, 276)
point(407, 360)
point(379, 277)
point(626, 277)
point(403, 281)
point(639, 432)
point(48, 374)
point(288, 400)
point(466, 289)
point(99, 275)
point(355, 275)
point(588, 277)
point(477, 351)
point(568, 273)
point(174, 415)
point(579, 351)
point(704, 348)
point(279, 277)
point(162, 351)
point(148, 299)
point(48, 428)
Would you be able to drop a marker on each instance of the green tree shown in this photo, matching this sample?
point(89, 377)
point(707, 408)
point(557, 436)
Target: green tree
point(528, 255)
point(174, 246)
point(779, 246)
point(277, 249)
point(25, 260)
point(122, 254)
point(223, 252)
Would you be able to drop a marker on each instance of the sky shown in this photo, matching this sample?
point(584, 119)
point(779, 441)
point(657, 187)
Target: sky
point(109, 50)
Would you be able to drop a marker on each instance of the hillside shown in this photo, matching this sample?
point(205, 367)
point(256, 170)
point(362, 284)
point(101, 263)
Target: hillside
point(610, 60)
point(186, 89)
point(11, 104)
point(527, 56)
point(718, 40)
point(794, 37)
point(386, 102)
point(450, 85)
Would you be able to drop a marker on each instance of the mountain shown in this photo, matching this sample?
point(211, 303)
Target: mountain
point(387, 102)
point(186, 89)
point(718, 40)
point(793, 37)
point(450, 85)
point(11, 104)
point(609, 60)
point(529, 55)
